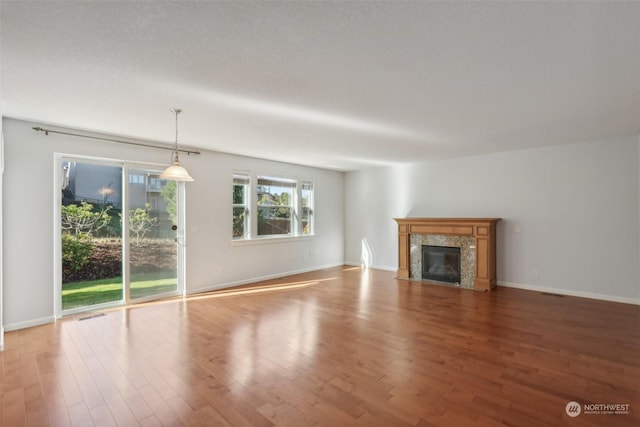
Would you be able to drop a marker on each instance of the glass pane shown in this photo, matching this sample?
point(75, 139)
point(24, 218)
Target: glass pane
point(239, 222)
point(275, 195)
point(275, 198)
point(306, 194)
point(305, 218)
point(238, 194)
point(91, 234)
point(152, 234)
point(274, 220)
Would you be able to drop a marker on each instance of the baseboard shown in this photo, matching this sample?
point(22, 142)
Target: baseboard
point(259, 279)
point(591, 295)
point(29, 323)
point(1, 338)
point(571, 293)
point(375, 267)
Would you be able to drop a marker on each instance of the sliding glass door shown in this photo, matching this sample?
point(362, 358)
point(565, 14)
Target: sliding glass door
point(90, 228)
point(118, 235)
point(153, 234)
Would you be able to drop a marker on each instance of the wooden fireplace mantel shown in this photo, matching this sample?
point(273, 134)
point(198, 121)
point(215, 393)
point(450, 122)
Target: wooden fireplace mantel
point(482, 229)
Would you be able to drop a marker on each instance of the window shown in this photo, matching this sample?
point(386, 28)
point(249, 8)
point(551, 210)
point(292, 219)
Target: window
point(266, 206)
point(157, 184)
point(275, 206)
point(241, 206)
point(137, 179)
point(306, 208)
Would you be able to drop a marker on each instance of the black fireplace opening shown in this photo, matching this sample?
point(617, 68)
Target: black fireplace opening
point(441, 263)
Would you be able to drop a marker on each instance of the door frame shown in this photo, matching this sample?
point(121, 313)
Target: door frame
point(58, 158)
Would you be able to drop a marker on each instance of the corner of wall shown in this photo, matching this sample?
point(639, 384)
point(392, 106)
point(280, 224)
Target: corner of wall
point(1, 242)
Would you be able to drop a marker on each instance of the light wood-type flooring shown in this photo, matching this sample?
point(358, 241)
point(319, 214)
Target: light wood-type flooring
point(336, 347)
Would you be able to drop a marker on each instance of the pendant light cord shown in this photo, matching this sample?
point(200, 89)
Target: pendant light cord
point(176, 158)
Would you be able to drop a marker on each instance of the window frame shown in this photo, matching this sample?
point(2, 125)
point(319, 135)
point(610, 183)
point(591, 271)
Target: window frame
point(281, 182)
point(244, 179)
point(295, 206)
point(311, 218)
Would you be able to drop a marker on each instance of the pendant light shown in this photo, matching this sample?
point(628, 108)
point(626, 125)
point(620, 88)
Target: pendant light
point(175, 172)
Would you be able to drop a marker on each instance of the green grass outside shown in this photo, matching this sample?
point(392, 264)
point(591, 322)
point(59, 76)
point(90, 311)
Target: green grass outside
point(80, 294)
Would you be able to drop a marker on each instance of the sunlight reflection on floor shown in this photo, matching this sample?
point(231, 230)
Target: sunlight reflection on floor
point(226, 293)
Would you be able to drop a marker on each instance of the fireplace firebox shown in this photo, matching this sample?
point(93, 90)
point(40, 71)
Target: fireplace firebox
point(441, 263)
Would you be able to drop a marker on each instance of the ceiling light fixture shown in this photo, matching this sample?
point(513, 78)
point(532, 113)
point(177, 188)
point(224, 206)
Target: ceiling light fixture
point(175, 172)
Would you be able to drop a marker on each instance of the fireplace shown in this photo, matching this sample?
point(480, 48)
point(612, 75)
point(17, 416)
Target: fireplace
point(475, 238)
point(441, 263)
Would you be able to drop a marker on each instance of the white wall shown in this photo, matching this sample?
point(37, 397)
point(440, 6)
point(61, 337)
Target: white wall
point(212, 261)
point(570, 211)
point(1, 234)
point(1, 228)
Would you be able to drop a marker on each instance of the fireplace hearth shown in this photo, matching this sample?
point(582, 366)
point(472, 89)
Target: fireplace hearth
point(441, 263)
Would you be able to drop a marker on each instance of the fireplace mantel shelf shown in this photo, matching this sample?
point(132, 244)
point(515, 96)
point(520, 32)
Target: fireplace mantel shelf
point(482, 229)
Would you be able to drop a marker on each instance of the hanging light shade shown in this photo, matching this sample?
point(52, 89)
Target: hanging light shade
point(176, 172)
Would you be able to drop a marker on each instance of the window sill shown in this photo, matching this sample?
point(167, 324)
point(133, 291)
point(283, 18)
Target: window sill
point(269, 240)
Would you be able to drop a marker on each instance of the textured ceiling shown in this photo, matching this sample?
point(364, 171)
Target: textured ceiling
point(341, 85)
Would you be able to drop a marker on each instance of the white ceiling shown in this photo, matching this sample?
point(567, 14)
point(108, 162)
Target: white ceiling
point(342, 84)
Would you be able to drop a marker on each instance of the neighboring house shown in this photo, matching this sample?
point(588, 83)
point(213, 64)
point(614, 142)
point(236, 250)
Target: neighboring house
point(102, 185)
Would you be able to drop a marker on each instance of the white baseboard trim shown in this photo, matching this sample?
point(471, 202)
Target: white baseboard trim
point(259, 279)
point(29, 323)
point(568, 292)
point(1, 338)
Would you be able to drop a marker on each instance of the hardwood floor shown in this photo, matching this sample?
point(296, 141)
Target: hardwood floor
point(335, 347)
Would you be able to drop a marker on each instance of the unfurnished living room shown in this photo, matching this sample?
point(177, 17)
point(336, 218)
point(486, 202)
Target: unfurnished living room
point(320, 213)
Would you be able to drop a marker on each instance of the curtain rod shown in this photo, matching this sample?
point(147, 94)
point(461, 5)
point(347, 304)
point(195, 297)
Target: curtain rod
point(48, 131)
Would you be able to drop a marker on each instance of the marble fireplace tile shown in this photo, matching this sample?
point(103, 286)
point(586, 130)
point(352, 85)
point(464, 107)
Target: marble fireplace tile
point(467, 245)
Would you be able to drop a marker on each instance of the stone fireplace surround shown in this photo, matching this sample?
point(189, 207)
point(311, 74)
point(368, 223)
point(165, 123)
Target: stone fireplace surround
point(476, 238)
point(467, 255)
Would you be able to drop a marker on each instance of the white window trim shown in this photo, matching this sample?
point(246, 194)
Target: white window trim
point(269, 240)
point(248, 223)
point(251, 237)
point(312, 226)
point(292, 205)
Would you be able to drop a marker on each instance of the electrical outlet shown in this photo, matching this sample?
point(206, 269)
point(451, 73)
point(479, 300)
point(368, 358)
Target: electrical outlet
point(535, 272)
